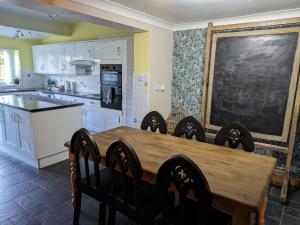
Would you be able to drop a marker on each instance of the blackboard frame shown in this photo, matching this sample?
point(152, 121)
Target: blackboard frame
point(293, 83)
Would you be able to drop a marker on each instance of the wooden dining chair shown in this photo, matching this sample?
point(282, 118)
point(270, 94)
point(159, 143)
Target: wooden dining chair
point(129, 194)
point(234, 134)
point(93, 183)
point(186, 195)
point(155, 121)
point(188, 128)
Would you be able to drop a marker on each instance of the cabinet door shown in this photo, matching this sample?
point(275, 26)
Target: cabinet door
point(84, 50)
point(69, 53)
point(11, 136)
point(58, 59)
point(46, 54)
point(94, 119)
point(2, 125)
point(23, 124)
point(37, 59)
point(110, 49)
point(112, 118)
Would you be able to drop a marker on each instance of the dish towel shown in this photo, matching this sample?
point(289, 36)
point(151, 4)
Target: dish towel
point(107, 94)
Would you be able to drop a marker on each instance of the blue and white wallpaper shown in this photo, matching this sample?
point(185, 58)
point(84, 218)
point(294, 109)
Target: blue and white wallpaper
point(188, 73)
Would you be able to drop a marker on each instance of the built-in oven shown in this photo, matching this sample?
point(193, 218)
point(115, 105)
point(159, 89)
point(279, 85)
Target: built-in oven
point(111, 86)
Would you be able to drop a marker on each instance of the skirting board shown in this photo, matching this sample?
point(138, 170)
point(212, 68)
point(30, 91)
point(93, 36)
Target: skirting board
point(53, 159)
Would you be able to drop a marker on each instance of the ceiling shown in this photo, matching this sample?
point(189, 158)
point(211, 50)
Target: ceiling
point(8, 7)
point(28, 34)
point(187, 11)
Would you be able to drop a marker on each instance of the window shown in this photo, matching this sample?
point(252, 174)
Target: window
point(9, 66)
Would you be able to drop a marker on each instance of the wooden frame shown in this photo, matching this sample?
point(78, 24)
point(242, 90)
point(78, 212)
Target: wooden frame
point(290, 123)
point(293, 83)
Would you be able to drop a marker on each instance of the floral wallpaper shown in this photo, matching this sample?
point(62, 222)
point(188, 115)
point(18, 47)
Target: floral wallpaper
point(188, 73)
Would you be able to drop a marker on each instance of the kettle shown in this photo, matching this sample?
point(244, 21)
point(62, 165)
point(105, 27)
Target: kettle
point(67, 86)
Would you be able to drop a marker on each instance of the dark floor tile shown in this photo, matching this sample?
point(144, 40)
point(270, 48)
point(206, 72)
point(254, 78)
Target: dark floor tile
point(7, 181)
point(53, 198)
point(289, 220)
point(9, 170)
point(292, 211)
point(26, 201)
point(7, 222)
point(60, 214)
point(294, 195)
point(24, 219)
point(271, 221)
point(274, 210)
point(8, 210)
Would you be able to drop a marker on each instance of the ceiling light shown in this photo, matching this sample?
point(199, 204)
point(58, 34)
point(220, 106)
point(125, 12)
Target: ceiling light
point(51, 17)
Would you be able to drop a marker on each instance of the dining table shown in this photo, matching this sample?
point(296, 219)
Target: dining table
point(239, 180)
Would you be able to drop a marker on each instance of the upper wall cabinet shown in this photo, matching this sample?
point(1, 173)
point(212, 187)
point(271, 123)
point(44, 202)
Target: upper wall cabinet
point(62, 55)
point(107, 49)
point(56, 58)
point(84, 50)
point(42, 59)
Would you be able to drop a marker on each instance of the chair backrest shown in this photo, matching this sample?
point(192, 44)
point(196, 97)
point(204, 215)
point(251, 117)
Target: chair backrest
point(184, 175)
point(155, 121)
point(126, 172)
point(83, 144)
point(235, 134)
point(190, 127)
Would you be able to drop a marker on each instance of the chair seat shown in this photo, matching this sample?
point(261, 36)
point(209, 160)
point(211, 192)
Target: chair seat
point(105, 179)
point(189, 213)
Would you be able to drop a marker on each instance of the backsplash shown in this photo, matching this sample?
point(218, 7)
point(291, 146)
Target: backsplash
point(188, 73)
point(86, 83)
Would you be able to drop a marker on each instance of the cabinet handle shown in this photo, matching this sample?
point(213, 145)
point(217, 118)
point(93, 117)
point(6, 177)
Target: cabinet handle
point(119, 50)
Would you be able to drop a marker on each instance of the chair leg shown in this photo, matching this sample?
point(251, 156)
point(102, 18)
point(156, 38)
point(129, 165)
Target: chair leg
point(102, 213)
point(112, 216)
point(77, 208)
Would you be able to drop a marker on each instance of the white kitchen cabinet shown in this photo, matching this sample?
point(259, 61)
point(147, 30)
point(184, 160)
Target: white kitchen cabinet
point(17, 133)
point(93, 119)
point(84, 50)
point(10, 129)
point(2, 122)
point(62, 55)
point(58, 58)
point(112, 118)
point(42, 59)
point(108, 49)
point(23, 126)
point(69, 54)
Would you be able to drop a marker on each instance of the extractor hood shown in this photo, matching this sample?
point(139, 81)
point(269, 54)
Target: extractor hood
point(82, 62)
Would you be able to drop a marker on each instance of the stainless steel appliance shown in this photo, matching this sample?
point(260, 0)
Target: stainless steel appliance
point(111, 86)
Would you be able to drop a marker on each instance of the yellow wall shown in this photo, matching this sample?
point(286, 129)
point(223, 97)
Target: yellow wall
point(24, 47)
point(142, 52)
point(82, 32)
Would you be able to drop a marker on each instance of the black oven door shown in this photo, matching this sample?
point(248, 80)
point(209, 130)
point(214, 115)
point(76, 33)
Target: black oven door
point(111, 78)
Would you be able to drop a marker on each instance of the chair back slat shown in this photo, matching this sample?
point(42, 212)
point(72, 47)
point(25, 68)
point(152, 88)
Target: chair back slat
point(83, 145)
point(181, 175)
point(126, 173)
point(189, 128)
point(235, 134)
point(155, 121)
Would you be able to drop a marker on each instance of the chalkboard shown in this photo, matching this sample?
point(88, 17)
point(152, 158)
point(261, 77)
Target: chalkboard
point(252, 81)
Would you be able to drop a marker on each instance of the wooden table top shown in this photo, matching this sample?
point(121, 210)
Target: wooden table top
point(234, 175)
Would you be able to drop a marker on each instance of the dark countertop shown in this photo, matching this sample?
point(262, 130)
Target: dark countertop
point(33, 103)
point(74, 93)
point(69, 93)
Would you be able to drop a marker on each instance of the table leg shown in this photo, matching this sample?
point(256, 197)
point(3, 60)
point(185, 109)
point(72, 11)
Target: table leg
point(262, 211)
point(243, 216)
point(73, 178)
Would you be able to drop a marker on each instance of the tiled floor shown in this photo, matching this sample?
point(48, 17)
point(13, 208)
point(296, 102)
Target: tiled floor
point(42, 197)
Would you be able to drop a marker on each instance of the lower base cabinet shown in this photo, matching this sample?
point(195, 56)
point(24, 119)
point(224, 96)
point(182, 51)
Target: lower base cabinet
point(95, 118)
